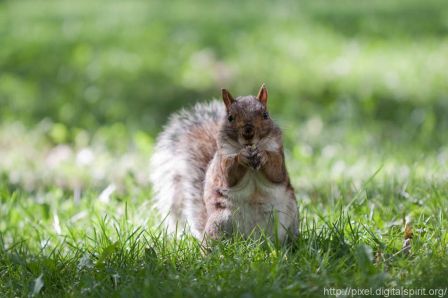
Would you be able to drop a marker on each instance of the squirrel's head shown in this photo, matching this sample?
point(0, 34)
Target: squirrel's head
point(247, 119)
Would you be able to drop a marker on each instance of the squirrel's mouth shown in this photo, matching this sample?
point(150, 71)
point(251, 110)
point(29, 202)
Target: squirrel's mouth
point(248, 143)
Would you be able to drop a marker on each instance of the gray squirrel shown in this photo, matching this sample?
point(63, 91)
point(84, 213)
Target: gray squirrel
point(220, 168)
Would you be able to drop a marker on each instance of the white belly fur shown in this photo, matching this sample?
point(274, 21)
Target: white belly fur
point(259, 204)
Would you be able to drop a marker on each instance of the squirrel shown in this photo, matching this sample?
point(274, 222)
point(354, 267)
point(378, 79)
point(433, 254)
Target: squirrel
point(220, 168)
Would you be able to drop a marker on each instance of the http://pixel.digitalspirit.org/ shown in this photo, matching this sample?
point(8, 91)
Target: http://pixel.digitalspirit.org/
point(386, 292)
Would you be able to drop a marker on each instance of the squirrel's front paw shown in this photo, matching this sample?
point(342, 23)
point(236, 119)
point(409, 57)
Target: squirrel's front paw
point(245, 157)
point(259, 159)
point(253, 157)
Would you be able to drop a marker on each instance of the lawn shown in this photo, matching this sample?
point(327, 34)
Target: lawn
point(360, 90)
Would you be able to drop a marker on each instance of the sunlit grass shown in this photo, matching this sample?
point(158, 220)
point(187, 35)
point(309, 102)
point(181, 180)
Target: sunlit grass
point(93, 239)
point(136, 61)
point(359, 89)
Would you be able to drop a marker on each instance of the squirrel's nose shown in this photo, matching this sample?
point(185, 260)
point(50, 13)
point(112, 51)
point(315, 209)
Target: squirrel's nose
point(248, 131)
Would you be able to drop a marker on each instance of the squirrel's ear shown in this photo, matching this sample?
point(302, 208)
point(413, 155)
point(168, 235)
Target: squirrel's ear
point(263, 94)
point(227, 98)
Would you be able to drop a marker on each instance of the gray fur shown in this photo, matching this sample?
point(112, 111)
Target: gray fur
point(178, 165)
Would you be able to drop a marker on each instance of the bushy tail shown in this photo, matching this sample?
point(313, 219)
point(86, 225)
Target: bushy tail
point(178, 164)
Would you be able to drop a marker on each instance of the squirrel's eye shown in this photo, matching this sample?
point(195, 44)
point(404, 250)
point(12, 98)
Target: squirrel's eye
point(230, 118)
point(265, 115)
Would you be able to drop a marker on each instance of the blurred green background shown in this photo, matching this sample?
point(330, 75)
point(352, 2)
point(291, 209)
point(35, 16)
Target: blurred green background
point(353, 82)
point(86, 64)
point(360, 89)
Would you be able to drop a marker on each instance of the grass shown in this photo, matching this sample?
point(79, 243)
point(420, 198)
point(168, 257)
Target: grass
point(98, 241)
point(359, 90)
